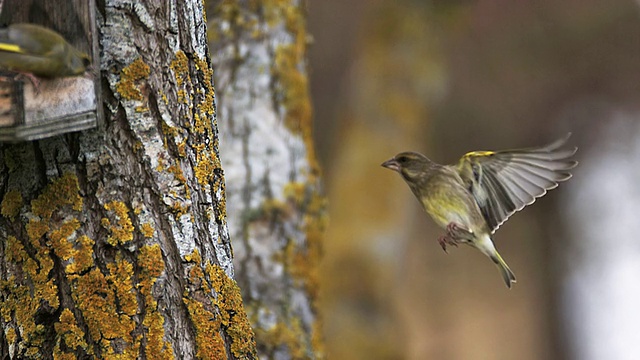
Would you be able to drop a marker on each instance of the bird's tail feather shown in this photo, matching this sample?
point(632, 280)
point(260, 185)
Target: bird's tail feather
point(507, 274)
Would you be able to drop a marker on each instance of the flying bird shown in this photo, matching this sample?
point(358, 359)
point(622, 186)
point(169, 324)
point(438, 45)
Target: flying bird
point(472, 198)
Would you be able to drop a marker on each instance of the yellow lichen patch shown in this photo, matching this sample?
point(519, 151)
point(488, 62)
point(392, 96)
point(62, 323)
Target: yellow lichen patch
point(97, 300)
point(59, 239)
point(210, 344)
point(23, 298)
point(147, 230)
point(152, 265)
point(194, 257)
point(207, 107)
point(212, 314)
point(141, 109)
point(11, 204)
point(63, 191)
point(14, 250)
point(303, 262)
point(221, 206)
point(179, 208)
point(134, 72)
point(204, 169)
point(180, 67)
point(36, 229)
point(120, 280)
point(122, 232)
point(296, 191)
point(273, 10)
point(169, 130)
point(182, 148)
point(235, 18)
point(150, 261)
point(177, 173)
point(69, 332)
point(10, 335)
point(82, 257)
point(232, 313)
point(317, 339)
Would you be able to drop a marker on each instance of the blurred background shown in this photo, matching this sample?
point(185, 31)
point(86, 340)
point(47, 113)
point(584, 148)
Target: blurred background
point(445, 77)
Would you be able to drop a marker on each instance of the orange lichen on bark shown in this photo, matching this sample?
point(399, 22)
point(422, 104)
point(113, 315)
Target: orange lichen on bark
point(134, 72)
point(122, 231)
point(180, 67)
point(207, 107)
point(120, 280)
point(97, 297)
point(61, 192)
point(147, 230)
point(151, 267)
point(82, 256)
point(69, 333)
point(31, 289)
point(59, 239)
point(217, 310)
point(11, 204)
point(232, 313)
point(209, 342)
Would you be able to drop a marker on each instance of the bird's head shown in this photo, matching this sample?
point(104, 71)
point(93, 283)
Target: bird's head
point(77, 62)
point(410, 165)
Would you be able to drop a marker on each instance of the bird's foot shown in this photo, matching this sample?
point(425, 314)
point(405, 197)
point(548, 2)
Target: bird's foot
point(21, 76)
point(445, 240)
point(33, 79)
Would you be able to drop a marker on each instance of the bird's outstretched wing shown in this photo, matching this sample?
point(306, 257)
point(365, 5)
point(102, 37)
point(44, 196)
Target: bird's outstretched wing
point(503, 182)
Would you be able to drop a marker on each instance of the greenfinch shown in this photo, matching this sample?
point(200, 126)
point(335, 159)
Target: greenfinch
point(472, 198)
point(36, 50)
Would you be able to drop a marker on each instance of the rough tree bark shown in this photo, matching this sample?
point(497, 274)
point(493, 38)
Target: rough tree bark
point(114, 242)
point(277, 215)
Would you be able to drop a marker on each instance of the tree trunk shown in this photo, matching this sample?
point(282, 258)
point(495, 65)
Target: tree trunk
point(276, 210)
point(114, 241)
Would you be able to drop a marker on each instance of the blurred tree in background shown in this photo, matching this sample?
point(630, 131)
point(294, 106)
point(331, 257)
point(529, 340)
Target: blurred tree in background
point(276, 211)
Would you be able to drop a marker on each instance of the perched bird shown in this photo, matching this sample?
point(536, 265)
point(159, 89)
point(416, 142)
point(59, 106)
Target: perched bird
point(35, 50)
point(472, 198)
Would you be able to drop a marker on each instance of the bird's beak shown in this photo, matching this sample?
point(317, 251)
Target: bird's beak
point(391, 164)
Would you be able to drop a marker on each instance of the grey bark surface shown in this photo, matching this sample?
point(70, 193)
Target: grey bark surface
point(146, 203)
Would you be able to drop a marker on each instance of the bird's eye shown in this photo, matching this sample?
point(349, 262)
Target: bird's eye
point(402, 159)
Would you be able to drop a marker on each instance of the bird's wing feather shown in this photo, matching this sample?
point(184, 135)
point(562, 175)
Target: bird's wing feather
point(503, 182)
point(30, 39)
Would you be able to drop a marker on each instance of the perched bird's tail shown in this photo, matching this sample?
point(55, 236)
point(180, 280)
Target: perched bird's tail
point(507, 274)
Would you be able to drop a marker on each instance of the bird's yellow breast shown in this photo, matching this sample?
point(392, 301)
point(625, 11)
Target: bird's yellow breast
point(446, 200)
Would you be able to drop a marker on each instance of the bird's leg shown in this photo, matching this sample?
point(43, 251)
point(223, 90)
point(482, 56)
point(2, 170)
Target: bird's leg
point(459, 232)
point(455, 235)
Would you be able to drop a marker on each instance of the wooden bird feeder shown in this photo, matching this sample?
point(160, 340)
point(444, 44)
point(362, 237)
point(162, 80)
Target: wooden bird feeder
point(59, 105)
